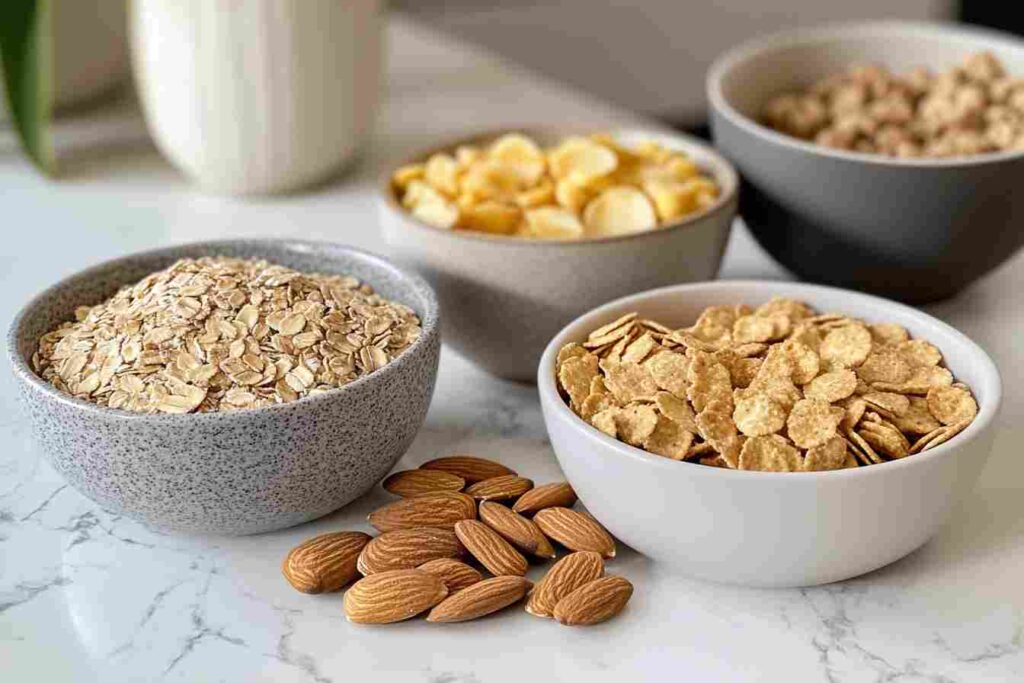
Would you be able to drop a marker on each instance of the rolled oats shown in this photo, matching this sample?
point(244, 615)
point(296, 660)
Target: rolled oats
point(220, 333)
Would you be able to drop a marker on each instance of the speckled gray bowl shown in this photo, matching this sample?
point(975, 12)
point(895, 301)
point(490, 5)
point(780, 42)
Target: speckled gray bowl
point(238, 472)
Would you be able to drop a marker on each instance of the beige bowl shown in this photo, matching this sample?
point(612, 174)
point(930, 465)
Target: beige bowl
point(503, 298)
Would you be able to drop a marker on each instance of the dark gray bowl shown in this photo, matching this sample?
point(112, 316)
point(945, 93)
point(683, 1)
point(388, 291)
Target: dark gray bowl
point(236, 472)
point(918, 230)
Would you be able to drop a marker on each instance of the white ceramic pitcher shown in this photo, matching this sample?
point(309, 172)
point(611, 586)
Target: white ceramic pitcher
point(257, 96)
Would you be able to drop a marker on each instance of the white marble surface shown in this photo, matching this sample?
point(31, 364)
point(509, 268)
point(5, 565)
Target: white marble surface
point(86, 595)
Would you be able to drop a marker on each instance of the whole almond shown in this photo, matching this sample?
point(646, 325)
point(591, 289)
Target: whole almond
point(324, 563)
point(441, 509)
point(516, 529)
point(594, 602)
point(469, 467)
point(393, 596)
point(505, 487)
point(456, 575)
point(555, 494)
point(575, 530)
point(565, 576)
point(490, 549)
point(408, 548)
point(485, 597)
point(411, 483)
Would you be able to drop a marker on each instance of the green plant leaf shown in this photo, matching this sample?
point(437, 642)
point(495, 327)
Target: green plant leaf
point(26, 58)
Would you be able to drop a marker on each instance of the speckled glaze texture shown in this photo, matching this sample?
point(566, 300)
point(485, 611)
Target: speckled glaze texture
point(504, 298)
point(237, 472)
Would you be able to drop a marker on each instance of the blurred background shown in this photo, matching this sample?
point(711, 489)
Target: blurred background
point(629, 53)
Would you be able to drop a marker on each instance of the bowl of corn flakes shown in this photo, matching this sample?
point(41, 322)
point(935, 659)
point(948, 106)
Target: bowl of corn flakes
point(881, 156)
point(520, 231)
point(768, 433)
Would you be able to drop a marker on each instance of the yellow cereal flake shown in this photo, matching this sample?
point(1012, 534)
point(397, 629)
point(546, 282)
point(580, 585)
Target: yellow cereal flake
point(442, 172)
point(549, 222)
point(521, 155)
point(619, 210)
point(581, 158)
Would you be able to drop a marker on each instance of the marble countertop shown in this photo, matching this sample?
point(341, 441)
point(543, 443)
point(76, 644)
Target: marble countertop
point(88, 595)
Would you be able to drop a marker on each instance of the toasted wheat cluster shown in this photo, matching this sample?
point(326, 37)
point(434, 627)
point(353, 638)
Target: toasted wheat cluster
point(973, 108)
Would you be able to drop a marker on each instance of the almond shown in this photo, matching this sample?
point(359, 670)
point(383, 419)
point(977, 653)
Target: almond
point(505, 487)
point(490, 549)
point(325, 563)
point(568, 574)
point(516, 529)
point(575, 530)
point(441, 509)
point(456, 575)
point(411, 483)
point(408, 548)
point(485, 597)
point(556, 494)
point(469, 467)
point(393, 596)
point(594, 602)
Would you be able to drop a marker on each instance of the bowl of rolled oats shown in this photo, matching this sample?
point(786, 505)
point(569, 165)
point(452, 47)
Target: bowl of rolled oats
point(768, 433)
point(522, 230)
point(228, 387)
point(878, 156)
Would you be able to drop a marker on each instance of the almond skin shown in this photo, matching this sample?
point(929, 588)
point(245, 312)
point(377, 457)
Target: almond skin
point(441, 509)
point(469, 467)
point(565, 576)
point(408, 548)
point(556, 494)
point(505, 487)
point(393, 596)
point(575, 530)
point(594, 602)
point(480, 599)
point(456, 575)
point(412, 483)
point(516, 529)
point(490, 549)
point(324, 563)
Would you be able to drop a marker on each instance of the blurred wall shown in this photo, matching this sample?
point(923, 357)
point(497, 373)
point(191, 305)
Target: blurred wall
point(649, 55)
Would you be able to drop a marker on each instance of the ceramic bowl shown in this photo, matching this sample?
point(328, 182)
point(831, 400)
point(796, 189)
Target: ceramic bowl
point(504, 297)
point(235, 472)
point(770, 528)
point(917, 230)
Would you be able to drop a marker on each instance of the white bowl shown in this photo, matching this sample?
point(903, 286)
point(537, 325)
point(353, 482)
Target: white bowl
point(768, 528)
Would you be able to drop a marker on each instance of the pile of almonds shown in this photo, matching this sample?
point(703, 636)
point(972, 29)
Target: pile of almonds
point(456, 506)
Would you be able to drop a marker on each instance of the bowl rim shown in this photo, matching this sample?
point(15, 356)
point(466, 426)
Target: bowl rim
point(725, 201)
point(837, 32)
point(429, 324)
point(550, 397)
